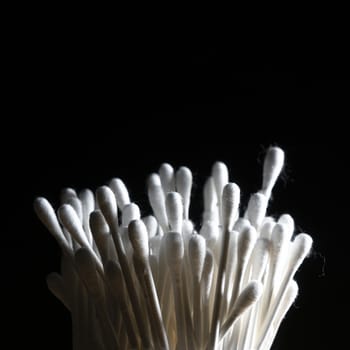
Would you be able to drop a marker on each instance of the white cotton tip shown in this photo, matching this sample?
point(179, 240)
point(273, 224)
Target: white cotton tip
point(108, 205)
point(98, 224)
point(279, 238)
point(87, 199)
point(167, 177)
point(220, 175)
point(301, 247)
point(187, 231)
point(69, 219)
point(157, 200)
point(246, 241)
point(260, 256)
point(151, 224)
point(287, 221)
point(120, 191)
point(100, 232)
point(183, 181)
point(75, 203)
point(174, 210)
point(154, 180)
point(211, 205)
point(287, 301)
point(273, 165)
point(67, 194)
point(197, 252)
point(47, 216)
point(210, 231)
point(230, 204)
point(139, 239)
point(256, 210)
point(130, 212)
point(250, 295)
point(174, 249)
point(208, 272)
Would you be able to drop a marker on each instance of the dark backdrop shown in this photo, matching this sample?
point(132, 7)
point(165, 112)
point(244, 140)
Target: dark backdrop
point(88, 102)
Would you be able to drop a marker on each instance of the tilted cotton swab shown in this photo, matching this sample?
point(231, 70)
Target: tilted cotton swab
point(162, 282)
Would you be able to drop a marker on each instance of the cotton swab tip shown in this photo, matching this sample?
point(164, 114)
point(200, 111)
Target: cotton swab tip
point(230, 203)
point(108, 204)
point(273, 165)
point(197, 252)
point(120, 191)
point(139, 239)
point(130, 212)
point(174, 209)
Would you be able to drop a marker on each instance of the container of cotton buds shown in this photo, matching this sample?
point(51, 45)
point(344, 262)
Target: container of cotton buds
point(156, 282)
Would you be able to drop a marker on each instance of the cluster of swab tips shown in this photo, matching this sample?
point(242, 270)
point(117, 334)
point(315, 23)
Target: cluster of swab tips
point(154, 282)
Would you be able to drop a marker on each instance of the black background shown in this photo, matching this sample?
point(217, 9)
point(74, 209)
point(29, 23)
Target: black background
point(88, 99)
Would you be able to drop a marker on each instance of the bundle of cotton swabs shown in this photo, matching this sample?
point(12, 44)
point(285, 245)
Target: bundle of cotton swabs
point(159, 282)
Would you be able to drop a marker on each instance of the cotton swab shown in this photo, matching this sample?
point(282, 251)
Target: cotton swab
point(88, 205)
point(211, 204)
point(206, 284)
point(67, 194)
point(256, 210)
point(48, 217)
point(175, 211)
point(120, 191)
point(220, 177)
point(71, 222)
point(197, 254)
point(210, 231)
point(139, 239)
point(245, 244)
point(279, 242)
point(102, 236)
point(130, 212)
point(257, 267)
point(183, 183)
point(230, 203)
point(151, 224)
point(246, 299)
point(273, 165)
point(167, 178)
point(175, 253)
point(157, 200)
